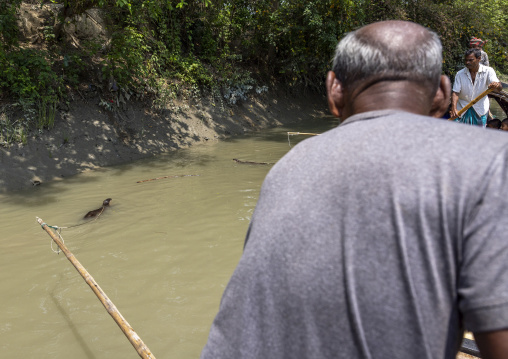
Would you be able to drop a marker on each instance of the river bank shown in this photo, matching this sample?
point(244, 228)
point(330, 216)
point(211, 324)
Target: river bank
point(86, 136)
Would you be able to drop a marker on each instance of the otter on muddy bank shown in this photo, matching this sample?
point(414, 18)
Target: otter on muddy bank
point(98, 211)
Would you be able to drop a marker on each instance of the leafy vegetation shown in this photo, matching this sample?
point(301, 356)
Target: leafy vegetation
point(225, 48)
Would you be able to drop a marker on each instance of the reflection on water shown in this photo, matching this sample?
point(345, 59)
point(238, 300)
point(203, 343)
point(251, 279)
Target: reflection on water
point(163, 252)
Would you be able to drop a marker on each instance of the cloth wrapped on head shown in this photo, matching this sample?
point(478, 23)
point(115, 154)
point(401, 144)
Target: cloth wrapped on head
point(476, 41)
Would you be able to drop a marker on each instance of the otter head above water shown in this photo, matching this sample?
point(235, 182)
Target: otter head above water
point(98, 211)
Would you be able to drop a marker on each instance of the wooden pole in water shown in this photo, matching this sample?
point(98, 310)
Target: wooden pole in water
point(303, 133)
point(135, 340)
point(478, 98)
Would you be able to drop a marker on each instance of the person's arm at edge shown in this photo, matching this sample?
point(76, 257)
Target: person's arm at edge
point(493, 345)
point(453, 110)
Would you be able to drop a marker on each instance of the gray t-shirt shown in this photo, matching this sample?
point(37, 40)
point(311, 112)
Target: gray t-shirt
point(485, 59)
point(381, 238)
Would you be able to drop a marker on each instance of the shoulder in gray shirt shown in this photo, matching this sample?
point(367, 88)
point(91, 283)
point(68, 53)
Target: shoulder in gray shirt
point(381, 238)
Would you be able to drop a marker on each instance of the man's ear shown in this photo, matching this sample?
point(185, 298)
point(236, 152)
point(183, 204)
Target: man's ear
point(441, 100)
point(335, 94)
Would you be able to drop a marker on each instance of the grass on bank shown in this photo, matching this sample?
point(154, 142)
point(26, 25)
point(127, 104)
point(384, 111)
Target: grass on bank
point(502, 77)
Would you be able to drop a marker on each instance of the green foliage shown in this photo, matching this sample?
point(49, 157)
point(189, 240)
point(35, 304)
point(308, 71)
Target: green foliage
point(229, 48)
point(456, 21)
point(8, 25)
point(29, 77)
point(125, 61)
point(295, 40)
point(80, 6)
point(11, 131)
point(28, 74)
point(46, 113)
point(490, 23)
point(73, 68)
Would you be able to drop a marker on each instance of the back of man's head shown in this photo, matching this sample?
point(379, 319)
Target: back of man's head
point(494, 123)
point(389, 51)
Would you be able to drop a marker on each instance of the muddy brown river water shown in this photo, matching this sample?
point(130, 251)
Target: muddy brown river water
point(163, 252)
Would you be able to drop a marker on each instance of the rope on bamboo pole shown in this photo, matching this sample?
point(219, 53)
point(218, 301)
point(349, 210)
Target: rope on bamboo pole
point(475, 100)
point(126, 328)
point(59, 229)
point(59, 232)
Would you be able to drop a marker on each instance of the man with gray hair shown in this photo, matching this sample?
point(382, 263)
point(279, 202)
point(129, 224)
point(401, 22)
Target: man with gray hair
point(376, 239)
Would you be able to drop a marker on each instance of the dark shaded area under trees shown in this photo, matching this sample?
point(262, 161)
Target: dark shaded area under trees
point(171, 48)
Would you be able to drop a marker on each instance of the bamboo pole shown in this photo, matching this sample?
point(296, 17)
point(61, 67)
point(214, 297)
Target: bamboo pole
point(478, 98)
point(303, 133)
point(158, 178)
point(135, 340)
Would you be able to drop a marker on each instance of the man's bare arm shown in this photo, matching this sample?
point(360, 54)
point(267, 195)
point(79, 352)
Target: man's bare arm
point(493, 345)
point(453, 109)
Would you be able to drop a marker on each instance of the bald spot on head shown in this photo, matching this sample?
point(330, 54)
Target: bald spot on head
point(388, 65)
point(394, 35)
point(390, 51)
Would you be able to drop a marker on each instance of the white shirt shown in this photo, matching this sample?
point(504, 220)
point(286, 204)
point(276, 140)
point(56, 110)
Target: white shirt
point(468, 91)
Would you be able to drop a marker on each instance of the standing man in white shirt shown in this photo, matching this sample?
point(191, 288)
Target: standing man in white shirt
point(470, 82)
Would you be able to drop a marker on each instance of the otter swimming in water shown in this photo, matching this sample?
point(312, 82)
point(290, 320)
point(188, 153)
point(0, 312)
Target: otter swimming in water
point(98, 211)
